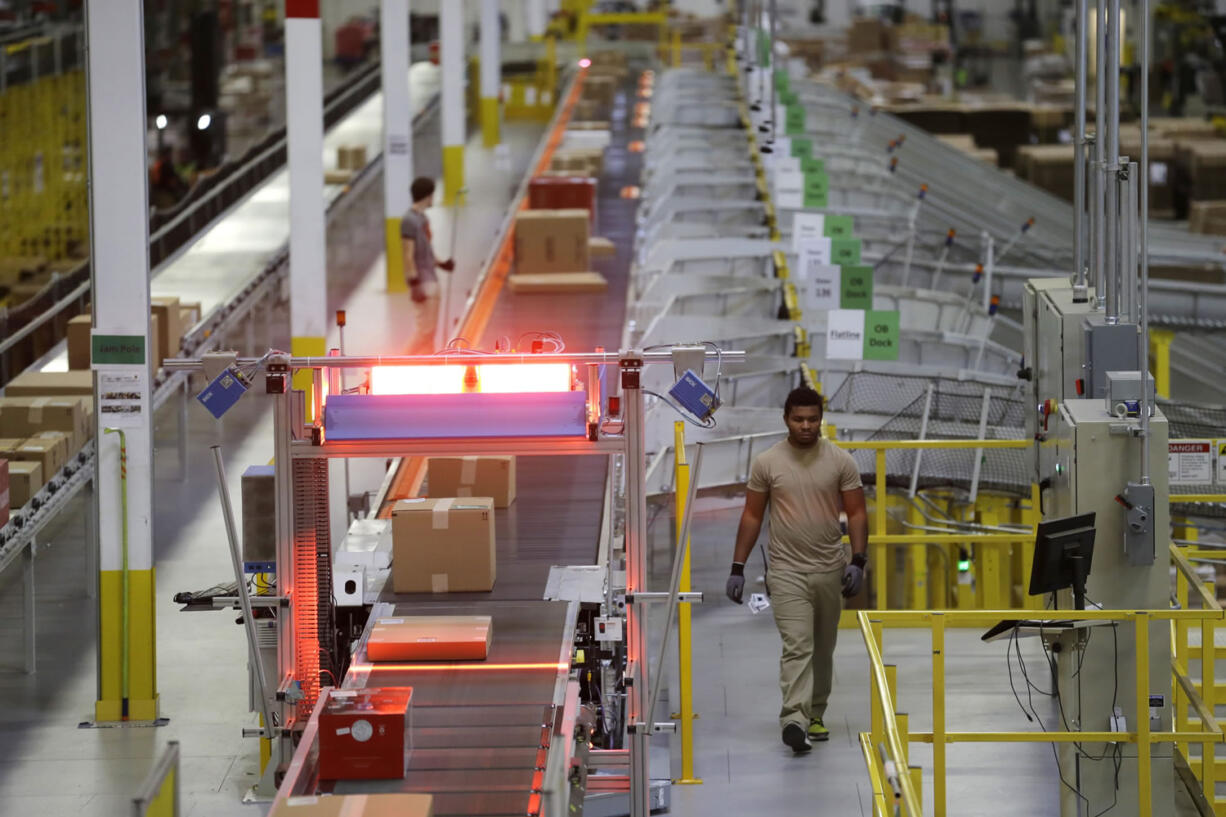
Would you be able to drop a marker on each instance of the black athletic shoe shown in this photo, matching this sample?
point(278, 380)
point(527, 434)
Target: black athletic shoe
point(794, 736)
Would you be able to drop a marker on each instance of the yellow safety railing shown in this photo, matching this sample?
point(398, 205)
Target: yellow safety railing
point(677, 51)
point(889, 736)
point(684, 626)
point(159, 793)
point(993, 553)
point(1186, 694)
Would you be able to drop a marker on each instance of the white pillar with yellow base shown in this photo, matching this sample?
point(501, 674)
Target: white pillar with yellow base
point(119, 254)
point(491, 72)
point(451, 62)
point(308, 282)
point(397, 132)
point(537, 19)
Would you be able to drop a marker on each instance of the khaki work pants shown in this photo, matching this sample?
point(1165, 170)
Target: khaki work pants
point(424, 320)
point(807, 608)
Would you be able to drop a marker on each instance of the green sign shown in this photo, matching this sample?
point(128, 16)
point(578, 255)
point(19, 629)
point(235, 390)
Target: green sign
point(809, 165)
point(795, 120)
point(782, 81)
point(117, 350)
point(788, 97)
point(802, 147)
point(816, 198)
point(856, 287)
point(839, 227)
point(844, 251)
point(880, 335)
point(764, 47)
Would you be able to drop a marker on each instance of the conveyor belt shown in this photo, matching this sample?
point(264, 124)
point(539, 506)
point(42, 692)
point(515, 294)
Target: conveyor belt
point(477, 731)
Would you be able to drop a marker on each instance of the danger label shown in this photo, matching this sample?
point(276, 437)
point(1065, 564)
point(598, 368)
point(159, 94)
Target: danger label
point(1190, 462)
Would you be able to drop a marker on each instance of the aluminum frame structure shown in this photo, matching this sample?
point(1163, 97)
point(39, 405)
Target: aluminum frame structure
point(297, 440)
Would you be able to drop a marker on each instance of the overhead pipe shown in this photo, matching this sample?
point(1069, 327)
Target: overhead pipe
point(1143, 290)
point(1079, 170)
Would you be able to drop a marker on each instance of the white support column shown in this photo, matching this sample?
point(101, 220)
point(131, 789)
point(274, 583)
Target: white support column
point(536, 17)
point(305, 136)
point(451, 61)
point(491, 72)
point(397, 132)
point(119, 253)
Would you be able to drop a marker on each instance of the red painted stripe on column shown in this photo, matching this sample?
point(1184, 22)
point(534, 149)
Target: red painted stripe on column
point(302, 8)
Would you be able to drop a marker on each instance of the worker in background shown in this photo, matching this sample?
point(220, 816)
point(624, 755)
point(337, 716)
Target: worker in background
point(419, 265)
point(166, 186)
point(807, 481)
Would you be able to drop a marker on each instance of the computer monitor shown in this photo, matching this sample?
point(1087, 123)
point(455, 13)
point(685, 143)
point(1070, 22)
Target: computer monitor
point(1063, 550)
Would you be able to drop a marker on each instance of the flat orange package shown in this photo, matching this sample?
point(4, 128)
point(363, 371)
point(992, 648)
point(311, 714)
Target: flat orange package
point(430, 638)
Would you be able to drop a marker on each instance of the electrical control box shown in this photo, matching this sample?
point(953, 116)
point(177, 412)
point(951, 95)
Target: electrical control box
point(694, 395)
point(1090, 461)
point(1108, 348)
point(365, 734)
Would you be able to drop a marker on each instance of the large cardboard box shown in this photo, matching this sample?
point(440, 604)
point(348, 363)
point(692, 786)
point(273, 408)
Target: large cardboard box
point(472, 476)
point(79, 329)
point(551, 241)
point(51, 384)
point(430, 638)
point(63, 442)
point(23, 417)
point(169, 329)
point(866, 35)
point(443, 545)
point(1207, 217)
point(25, 480)
point(559, 283)
point(45, 452)
point(357, 805)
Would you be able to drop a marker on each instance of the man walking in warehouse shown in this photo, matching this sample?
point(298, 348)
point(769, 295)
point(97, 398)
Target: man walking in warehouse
point(807, 481)
point(419, 265)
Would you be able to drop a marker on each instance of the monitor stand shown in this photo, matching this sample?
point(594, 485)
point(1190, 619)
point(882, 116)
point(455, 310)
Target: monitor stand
point(1079, 581)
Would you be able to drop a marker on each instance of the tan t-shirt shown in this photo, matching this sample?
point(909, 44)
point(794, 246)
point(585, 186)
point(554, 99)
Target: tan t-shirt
point(804, 487)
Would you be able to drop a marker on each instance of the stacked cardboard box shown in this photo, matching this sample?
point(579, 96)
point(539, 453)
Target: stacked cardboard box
point(1208, 217)
point(24, 417)
point(966, 144)
point(56, 384)
point(609, 64)
point(25, 480)
point(443, 545)
point(549, 241)
point(1049, 167)
point(1206, 169)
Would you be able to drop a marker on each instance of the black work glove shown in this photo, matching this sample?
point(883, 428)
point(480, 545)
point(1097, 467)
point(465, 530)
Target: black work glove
point(853, 575)
point(447, 266)
point(736, 582)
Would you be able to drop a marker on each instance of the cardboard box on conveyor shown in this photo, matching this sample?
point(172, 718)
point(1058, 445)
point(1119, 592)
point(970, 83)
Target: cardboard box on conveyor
point(472, 476)
point(443, 545)
point(430, 638)
point(364, 734)
point(356, 805)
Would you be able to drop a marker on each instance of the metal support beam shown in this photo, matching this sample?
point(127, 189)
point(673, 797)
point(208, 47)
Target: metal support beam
point(305, 137)
point(397, 131)
point(491, 73)
point(119, 254)
point(451, 58)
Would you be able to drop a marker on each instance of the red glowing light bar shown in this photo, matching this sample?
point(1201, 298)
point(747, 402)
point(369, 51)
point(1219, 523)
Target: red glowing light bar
point(509, 378)
point(433, 667)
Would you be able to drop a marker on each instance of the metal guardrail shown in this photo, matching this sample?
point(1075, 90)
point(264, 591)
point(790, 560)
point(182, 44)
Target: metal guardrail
point(66, 295)
point(895, 781)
